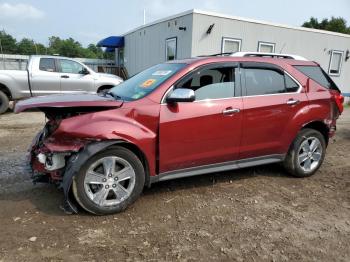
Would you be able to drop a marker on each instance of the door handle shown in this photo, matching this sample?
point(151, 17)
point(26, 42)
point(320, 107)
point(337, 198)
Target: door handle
point(292, 101)
point(64, 76)
point(230, 111)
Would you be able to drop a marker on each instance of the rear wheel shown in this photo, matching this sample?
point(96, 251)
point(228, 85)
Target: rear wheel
point(4, 102)
point(306, 154)
point(109, 181)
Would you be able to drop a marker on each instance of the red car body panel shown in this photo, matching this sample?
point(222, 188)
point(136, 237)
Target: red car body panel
point(63, 101)
point(262, 116)
point(122, 124)
point(184, 135)
point(213, 137)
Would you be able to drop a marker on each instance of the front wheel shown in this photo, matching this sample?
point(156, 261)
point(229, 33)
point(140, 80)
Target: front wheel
point(109, 181)
point(306, 154)
point(4, 102)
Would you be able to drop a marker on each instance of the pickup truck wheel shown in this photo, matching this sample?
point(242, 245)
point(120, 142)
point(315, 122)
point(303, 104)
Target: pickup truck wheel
point(4, 102)
point(109, 181)
point(306, 154)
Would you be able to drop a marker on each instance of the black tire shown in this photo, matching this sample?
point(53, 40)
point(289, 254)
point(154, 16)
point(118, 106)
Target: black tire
point(291, 162)
point(79, 189)
point(4, 102)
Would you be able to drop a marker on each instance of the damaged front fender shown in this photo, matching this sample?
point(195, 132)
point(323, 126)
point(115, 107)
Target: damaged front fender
point(75, 162)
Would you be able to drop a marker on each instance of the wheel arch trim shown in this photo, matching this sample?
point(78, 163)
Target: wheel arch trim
point(76, 161)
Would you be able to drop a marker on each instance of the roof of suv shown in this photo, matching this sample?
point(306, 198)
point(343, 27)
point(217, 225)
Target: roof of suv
point(272, 60)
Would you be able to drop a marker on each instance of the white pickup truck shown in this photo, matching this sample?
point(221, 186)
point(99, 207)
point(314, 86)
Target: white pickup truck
point(47, 75)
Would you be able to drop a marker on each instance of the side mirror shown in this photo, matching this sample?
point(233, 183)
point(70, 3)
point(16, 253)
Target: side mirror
point(181, 95)
point(84, 71)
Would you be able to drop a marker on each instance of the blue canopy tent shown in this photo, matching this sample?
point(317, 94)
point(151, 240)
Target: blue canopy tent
point(110, 49)
point(111, 42)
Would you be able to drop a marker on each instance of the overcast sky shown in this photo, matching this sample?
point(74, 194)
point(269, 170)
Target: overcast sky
point(88, 21)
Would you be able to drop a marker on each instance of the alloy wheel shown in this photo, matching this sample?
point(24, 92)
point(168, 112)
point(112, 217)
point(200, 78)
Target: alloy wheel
point(109, 181)
point(310, 154)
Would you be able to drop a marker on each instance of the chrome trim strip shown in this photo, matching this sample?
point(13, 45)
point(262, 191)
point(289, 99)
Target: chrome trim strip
point(240, 97)
point(219, 167)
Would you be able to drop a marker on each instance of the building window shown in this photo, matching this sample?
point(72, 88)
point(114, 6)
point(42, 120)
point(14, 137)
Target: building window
point(230, 45)
point(335, 63)
point(170, 48)
point(265, 47)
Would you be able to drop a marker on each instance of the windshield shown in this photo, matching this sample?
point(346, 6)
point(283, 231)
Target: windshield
point(145, 82)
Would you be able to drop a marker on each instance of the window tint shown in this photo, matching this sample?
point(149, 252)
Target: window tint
point(291, 85)
point(47, 64)
point(335, 63)
point(211, 83)
point(70, 67)
point(171, 46)
point(263, 82)
point(317, 74)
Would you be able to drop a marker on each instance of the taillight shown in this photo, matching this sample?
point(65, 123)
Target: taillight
point(339, 99)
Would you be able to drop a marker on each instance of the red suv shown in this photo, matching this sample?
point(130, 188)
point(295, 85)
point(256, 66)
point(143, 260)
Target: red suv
point(183, 118)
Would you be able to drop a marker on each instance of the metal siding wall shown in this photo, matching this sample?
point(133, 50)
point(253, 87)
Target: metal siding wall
point(314, 46)
point(146, 47)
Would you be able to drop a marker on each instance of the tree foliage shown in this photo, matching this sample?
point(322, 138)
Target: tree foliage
point(8, 43)
point(335, 24)
point(57, 46)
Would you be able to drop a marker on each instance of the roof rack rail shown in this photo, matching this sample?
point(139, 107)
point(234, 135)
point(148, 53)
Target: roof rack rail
point(218, 54)
point(272, 55)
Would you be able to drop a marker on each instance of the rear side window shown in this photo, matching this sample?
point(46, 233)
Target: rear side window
point(264, 82)
point(317, 74)
point(47, 64)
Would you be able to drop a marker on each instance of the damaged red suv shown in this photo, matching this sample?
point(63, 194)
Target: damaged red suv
point(183, 118)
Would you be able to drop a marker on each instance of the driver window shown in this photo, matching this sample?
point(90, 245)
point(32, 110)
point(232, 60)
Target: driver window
point(70, 67)
point(211, 83)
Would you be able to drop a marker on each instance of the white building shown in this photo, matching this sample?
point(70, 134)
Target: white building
point(194, 33)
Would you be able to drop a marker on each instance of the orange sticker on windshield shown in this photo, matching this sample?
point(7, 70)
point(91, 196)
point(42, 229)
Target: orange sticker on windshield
point(148, 83)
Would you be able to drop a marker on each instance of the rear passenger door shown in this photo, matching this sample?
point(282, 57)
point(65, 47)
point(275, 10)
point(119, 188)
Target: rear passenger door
point(271, 99)
point(44, 78)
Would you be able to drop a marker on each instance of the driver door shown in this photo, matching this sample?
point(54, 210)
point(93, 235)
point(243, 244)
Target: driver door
point(208, 130)
point(73, 79)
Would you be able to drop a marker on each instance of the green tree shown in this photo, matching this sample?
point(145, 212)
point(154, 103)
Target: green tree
point(57, 46)
point(8, 43)
point(26, 47)
point(338, 25)
point(335, 24)
point(42, 50)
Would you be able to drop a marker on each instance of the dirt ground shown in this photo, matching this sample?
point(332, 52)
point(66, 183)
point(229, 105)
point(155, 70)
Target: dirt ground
point(255, 214)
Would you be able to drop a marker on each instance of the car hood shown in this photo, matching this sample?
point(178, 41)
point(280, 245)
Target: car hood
point(81, 100)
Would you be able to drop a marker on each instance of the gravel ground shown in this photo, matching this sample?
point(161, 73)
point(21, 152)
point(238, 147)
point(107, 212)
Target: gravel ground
point(254, 214)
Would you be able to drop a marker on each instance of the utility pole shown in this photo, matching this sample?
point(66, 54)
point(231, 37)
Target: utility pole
point(3, 57)
point(36, 48)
